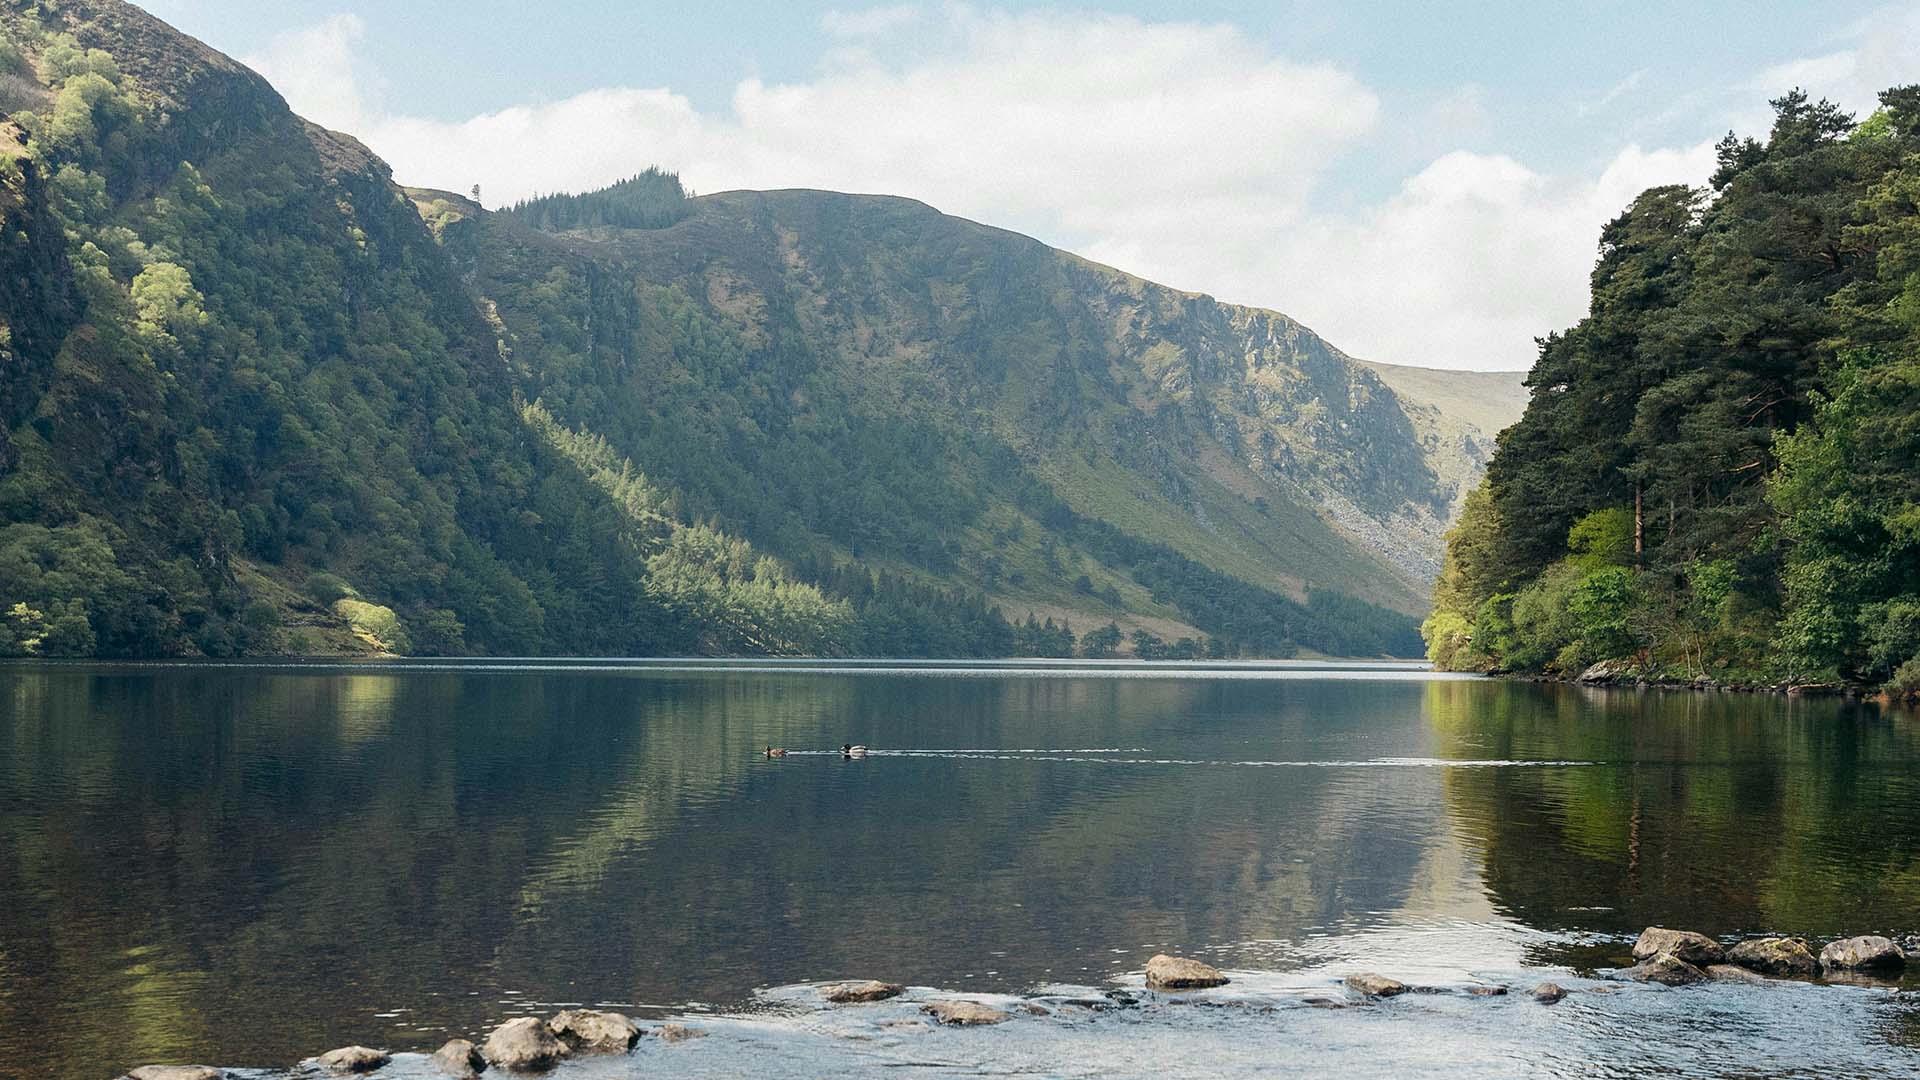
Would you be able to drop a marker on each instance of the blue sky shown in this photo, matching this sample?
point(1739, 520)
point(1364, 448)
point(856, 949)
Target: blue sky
point(1420, 182)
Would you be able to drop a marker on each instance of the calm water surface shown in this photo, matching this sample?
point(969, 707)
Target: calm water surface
point(249, 864)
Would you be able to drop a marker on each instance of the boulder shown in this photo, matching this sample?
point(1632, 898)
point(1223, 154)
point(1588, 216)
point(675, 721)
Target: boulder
point(965, 1013)
point(589, 1031)
point(459, 1058)
point(1548, 993)
point(353, 1059)
point(1375, 985)
point(523, 1043)
point(674, 1033)
point(176, 1072)
point(1605, 671)
point(1775, 956)
point(1862, 953)
point(1733, 973)
point(1667, 970)
point(1695, 949)
point(848, 993)
point(1487, 991)
point(1179, 973)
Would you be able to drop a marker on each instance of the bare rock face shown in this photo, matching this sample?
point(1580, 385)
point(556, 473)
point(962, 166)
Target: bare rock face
point(459, 1058)
point(176, 1072)
point(848, 993)
point(1548, 993)
point(1775, 956)
point(1695, 949)
point(589, 1031)
point(1734, 973)
point(1179, 973)
point(1667, 970)
point(353, 1059)
point(965, 1013)
point(673, 1033)
point(1862, 953)
point(1375, 985)
point(523, 1043)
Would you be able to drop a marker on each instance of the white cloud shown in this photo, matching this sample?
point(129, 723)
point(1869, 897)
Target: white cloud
point(1878, 52)
point(318, 72)
point(1183, 152)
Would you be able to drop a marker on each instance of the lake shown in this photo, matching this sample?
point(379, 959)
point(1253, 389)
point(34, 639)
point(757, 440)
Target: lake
point(248, 864)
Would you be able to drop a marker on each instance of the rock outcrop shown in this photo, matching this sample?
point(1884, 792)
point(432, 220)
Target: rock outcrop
point(354, 1059)
point(1864, 953)
point(1695, 949)
point(1775, 956)
point(1373, 985)
point(1179, 973)
point(523, 1043)
point(589, 1031)
point(1665, 969)
point(965, 1013)
point(459, 1058)
point(848, 993)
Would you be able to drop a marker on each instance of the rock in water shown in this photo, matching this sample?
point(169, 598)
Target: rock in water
point(1733, 973)
point(851, 992)
point(1178, 973)
point(1861, 953)
point(1667, 970)
point(176, 1072)
point(589, 1031)
point(1775, 956)
point(965, 1013)
point(1548, 993)
point(523, 1043)
point(353, 1059)
point(1695, 949)
point(1375, 985)
point(674, 1033)
point(1487, 991)
point(459, 1058)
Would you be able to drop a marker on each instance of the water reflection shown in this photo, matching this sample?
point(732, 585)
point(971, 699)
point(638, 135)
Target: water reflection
point(247, 865)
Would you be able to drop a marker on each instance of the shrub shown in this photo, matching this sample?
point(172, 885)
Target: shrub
point(328, 589)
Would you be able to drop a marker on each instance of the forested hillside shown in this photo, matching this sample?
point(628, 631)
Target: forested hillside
point(1718, 473)
point(255, 398)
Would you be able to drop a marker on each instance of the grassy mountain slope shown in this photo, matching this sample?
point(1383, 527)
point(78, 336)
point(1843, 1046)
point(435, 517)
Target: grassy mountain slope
point(255, 398)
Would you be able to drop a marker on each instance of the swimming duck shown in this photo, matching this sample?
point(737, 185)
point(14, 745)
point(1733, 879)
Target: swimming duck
point(776, 751)
point(850, 750)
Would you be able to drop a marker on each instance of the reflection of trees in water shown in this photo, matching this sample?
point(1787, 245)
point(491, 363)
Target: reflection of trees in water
point(1720, 812)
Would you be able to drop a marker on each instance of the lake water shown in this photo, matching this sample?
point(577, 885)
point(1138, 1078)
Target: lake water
point(246, 865)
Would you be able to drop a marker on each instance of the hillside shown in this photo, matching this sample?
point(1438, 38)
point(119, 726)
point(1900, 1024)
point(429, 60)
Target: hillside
point(258, 399)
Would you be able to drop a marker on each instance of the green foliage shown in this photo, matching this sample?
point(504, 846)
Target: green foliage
point(1103, 643)
point(379, 625)
point(1720, 466)
point(652, 200)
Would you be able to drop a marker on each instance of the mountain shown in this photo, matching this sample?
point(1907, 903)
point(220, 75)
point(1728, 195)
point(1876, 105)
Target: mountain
point(257, 398)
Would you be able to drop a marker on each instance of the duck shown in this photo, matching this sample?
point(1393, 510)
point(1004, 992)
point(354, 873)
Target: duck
point(850, 750)
point(776, 751)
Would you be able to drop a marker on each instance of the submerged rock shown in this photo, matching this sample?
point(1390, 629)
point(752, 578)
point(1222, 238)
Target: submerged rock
point(353, 1059)
point(1548, 993)
point(1775, 956)
point(673, 1033)
point(523, 1043)
point(1487, 991)
point(176, 1072)
point(459, 1058)
point(965, 1013)
point(1375, 985)
point(1665, 969)
point(1862, 953)
point(847, 993)
point(1179, 973)
point(1733, 973)
point(589, 1031)
point(1695, 949)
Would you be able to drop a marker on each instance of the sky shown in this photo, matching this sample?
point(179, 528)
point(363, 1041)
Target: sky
point(1420, 183)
